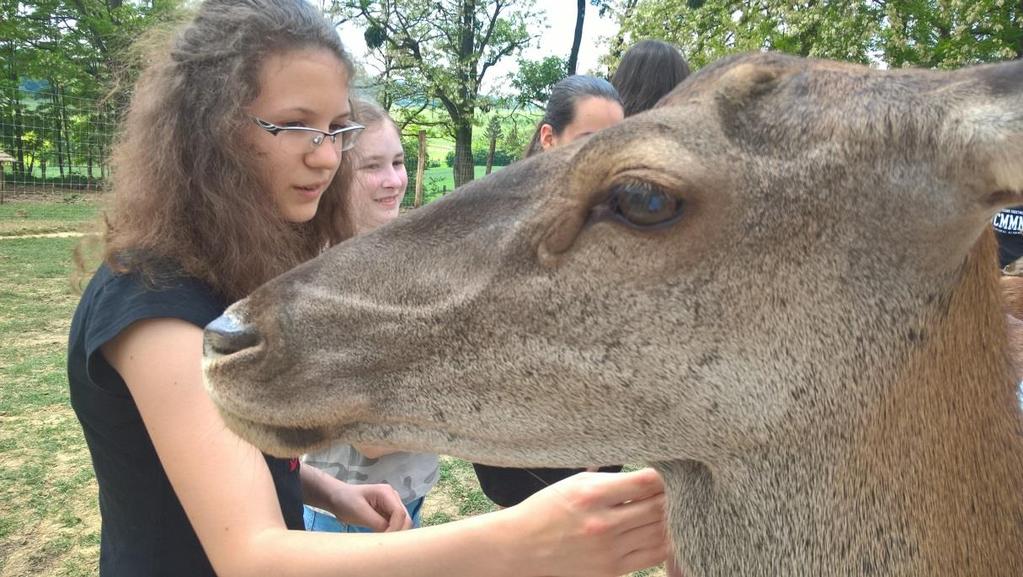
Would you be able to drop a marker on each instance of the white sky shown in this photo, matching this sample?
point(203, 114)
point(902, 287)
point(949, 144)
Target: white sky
point(555, 40)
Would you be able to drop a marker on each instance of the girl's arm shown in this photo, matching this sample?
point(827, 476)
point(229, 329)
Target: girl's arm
point(589, 525)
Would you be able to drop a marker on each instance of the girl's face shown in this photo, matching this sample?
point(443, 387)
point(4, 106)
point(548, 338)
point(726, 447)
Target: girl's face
point(591, 114)
point(379, 178)
point(308, 88)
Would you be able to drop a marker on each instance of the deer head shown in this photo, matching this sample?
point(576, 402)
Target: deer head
point(738, 282)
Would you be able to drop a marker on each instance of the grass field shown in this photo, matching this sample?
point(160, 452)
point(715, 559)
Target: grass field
point(439, 181)
point(52, 213)
point(49, 520)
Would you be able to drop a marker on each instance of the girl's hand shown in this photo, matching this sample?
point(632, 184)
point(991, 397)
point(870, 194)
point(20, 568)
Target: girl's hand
point(375, 506)
point(596, 524)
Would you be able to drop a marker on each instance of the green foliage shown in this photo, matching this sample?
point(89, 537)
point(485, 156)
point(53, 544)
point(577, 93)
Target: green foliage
point(502, 157)
point(535, 78)
point(71, 53)
point(950, 34)
point(440, 51)
point(928, 33)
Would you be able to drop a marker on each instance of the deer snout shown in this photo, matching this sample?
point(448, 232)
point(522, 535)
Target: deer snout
point(226, 335)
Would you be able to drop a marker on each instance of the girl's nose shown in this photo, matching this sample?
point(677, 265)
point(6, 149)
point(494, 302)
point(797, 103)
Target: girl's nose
point(395, 177)
point(326, 155)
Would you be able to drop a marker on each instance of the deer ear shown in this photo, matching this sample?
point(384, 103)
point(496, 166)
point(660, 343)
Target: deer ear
point(749, 80)
point(990, 123)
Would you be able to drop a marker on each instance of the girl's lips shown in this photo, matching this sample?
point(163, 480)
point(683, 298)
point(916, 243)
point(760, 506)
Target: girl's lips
point(311, 191)
point(387, 201)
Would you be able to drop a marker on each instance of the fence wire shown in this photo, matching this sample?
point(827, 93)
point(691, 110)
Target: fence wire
point(49, 140)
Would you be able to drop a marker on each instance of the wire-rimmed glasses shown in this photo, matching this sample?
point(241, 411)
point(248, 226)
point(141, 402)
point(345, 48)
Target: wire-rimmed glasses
point(303, 139)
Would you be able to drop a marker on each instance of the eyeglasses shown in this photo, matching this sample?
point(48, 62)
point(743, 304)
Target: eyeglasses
point(304, 140)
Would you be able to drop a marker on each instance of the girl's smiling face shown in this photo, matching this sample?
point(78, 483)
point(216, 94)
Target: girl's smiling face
point(379, 178)
point(299, 88)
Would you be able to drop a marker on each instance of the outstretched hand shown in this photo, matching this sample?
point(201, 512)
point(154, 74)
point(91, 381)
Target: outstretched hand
point(597, 524)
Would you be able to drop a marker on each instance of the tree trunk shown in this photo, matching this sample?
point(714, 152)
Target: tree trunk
point(464, 104)
point(19, 134)
point(464, 165)
point(1019, 36)
point(420, 170)
point(17, 129)
point(490, 152)
point(55, 101)
point(573, 57)
point(67, 130)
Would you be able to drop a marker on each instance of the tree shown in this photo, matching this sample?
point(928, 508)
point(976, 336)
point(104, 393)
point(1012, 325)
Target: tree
point(69, 51)
point(577, 39)
point(493, 133)
point(708, 30)
point(535, 78)
point(928, 33)
point(942, 34)
point(444, 48)
point(622, 9)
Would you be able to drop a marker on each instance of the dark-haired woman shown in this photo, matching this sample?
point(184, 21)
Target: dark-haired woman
point(648, 71)
point(225, 177)
point(578, 106)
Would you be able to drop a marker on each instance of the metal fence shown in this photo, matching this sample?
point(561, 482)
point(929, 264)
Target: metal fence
point(50, 141)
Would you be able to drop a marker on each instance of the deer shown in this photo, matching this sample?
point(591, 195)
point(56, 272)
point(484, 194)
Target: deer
point(778, 288)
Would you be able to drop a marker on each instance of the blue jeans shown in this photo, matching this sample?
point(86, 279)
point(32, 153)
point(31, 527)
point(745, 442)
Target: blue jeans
point(319, 521)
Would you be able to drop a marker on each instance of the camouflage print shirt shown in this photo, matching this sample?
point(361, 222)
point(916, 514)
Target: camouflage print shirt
point(412, 474)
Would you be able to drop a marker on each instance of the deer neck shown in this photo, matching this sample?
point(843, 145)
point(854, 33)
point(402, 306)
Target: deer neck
point(926, 479)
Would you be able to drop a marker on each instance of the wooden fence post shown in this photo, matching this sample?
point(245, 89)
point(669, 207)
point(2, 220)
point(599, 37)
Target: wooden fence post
point(420, 170)
point(4, 157)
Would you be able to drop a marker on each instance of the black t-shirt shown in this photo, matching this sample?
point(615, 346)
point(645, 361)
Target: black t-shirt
point(1008, 225)
point(144, 529)
point(509, 486)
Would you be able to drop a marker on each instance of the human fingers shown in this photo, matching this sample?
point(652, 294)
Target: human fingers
point(614, 488)
point(643, 558)
point(651, 536)
point(399, 519)
point(388, 505)
point(366, 514)
point(635, 514)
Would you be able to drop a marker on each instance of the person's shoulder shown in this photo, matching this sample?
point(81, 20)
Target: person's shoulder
point(160, 289)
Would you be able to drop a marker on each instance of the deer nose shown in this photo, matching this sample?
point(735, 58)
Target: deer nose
point(226, 335)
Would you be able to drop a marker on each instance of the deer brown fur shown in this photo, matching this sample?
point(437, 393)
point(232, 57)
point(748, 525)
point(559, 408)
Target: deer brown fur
point(811, 349)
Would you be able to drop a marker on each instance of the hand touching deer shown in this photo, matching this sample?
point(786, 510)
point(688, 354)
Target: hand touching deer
point(777, 288)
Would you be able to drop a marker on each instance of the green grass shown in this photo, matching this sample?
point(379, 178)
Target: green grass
point(439, 181)
point(49, 524)
point(68, 212)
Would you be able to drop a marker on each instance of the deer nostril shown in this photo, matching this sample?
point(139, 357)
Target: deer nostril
point(225, 335)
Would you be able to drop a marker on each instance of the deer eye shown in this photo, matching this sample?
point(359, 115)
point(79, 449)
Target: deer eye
point(643, 206)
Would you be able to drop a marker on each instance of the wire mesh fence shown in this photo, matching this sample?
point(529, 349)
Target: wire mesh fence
point(51, 141)
point(54, 142)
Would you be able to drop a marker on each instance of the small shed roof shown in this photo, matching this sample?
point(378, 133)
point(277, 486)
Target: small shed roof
point(4, 157)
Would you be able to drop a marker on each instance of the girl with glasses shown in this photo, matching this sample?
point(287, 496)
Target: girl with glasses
point(215, 206)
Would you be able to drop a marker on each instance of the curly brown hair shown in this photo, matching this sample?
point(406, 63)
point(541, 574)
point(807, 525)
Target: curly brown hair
point(185, 189)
